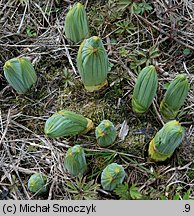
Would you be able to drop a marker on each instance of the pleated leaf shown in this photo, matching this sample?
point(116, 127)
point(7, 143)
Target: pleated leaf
point(166, 141)
point(76, 23)
point(37, 183)
point(145, 89)
point(105, 133)
point(66, 123)
point(174, 97)
point(111, 176)
point(20, 74)
point(75, 161)
point(92, 63)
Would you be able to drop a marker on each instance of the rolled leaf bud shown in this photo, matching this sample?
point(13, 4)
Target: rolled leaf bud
point(112, 175)
point(20, 74)
point(76, 23)
point(67, 123)
point(174, 97)
point(37, 183)
point(105, 133)
point(92, 63)
point(166, 141)
point(75, 161)
point(145, 89)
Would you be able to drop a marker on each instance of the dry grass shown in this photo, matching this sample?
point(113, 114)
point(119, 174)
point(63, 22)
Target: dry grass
point(35, 29)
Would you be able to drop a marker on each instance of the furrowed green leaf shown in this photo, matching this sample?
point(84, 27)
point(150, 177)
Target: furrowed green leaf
point(166, 141)
point(92, 63)
point(37, 183)
point(76, 23)
point(145, 89)
point(30, 75)
point(75, 161)
point(20, 74)
point(174, 97)
point(66, 123)
point(105, 133)
point(112, 176)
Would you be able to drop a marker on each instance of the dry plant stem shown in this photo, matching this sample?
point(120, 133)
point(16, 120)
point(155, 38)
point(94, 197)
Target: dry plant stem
point(179, 168)
point(20, 169)
point(86, 3)
point(34, 46)
point(22, 20)
point(158, 114)
point(51, 187)
point(128, 71)
point(147, 183)
point(16, 170)
point(6, 127)
point(69, 58)
point(165, 33)
point(46, 142)
point(8, 176)
point(43, 14)
point(67, 51)
point(112, 151)
point(178, 182)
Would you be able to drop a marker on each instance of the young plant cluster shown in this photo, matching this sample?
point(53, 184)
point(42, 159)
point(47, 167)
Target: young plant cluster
point(171, 135)
point(92, 64)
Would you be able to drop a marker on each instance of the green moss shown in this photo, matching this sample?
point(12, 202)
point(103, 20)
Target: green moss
point(136, 140)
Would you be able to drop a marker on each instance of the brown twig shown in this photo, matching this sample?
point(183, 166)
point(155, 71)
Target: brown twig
point(165, 33)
